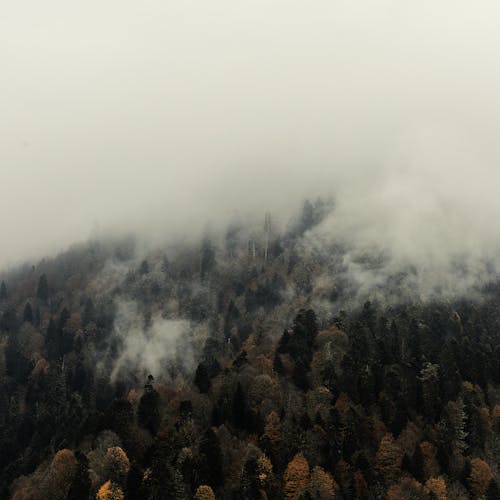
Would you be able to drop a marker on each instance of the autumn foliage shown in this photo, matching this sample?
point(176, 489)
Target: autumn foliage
point(480, 477)
point(296, 478)
point(110, 491)
point(204, 493)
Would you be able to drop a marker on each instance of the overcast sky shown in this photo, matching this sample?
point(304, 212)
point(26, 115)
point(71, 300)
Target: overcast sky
point(154, 115)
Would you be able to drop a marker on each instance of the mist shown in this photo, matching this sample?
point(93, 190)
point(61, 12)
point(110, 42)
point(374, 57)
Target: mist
point(151, 349)
point(162, 117)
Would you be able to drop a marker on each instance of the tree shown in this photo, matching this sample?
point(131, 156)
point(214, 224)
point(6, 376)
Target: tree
point(493, 492)
point(43, 288)
point(59, 477)
point(264, 471)
point(53, 341)
point(437, 486)
point(272, 429)
point(239, 408)
point(88, 312)
point(431, 465)
point(296, 478)
point(453, 424)
point(202, 379)
point(407, 489)
point(256, 475)
point(361, 489)
point(207, 258)
point(210, 460)
point(480, 477)
point(429, 379)
point(3, 291)
point(321, 485)
point(204, 492)
point(148, 412)
point(28, 313)
point(110, 491)
point(117, 465)
point(8, 320)
point(144, 268)
point(388, 460)
point(81, 485)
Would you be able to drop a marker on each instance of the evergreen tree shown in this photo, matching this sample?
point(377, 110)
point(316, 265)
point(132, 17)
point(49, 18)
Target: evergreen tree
point(210, 469)
point(88, 312)
point(80, 487)
point(53, 341)
point(28, 313)
point(148, 412)
point(43, 288)
point(239, 408)
point(202, 379)
point(3, 291)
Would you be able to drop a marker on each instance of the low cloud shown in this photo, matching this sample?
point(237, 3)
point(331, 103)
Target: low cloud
point(161, 119)
point(159, 347)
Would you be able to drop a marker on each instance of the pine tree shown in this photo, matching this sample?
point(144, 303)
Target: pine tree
point(28, 313)
point(3, 291)
point(53, 341)
point(88, 312)
point(148, 413)
point(430, 382)
point(210, 459)
point(43, 288)
point(202, 379)
point(80, 488)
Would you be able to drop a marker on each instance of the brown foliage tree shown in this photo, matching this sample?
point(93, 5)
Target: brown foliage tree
point(296, 477)
point(480, 477)
point(388, 459)
point(110, 491)
point(57, 479)
point(436, 485)
point(204, 493)
point(407, 489)
point(361, 490)
point(272, 428)
point(495, 417)
point(321, 485)
point(431, 465)
point(118, 464)
point(264, 470)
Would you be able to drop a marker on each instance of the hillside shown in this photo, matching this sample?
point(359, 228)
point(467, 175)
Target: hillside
point(257, 362)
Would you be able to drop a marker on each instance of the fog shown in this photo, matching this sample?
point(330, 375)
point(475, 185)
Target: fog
point(159, 117)
point(151, 349)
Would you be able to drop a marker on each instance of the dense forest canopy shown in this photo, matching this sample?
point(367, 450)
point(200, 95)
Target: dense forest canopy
point(258, 362)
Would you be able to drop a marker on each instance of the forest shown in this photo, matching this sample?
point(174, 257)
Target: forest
point(250, 363)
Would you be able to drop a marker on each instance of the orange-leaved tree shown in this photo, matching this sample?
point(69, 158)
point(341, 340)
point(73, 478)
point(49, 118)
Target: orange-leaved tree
point(480, 477)
point(388, 459)
point(296, 477)
point(110, 491)
point(321, 484)
point(204, 492)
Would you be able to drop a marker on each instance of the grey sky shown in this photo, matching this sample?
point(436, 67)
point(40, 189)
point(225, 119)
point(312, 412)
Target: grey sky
point(158, 115)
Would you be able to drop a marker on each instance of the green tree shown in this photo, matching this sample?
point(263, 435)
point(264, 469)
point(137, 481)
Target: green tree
point(28, 313)
point(43, 288)
point(3, 291)
point(148, 412)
